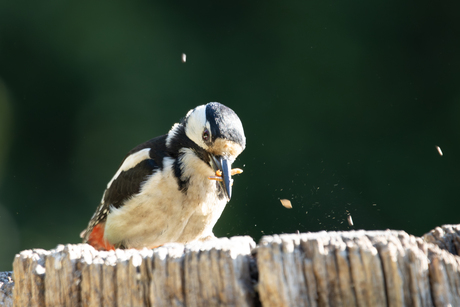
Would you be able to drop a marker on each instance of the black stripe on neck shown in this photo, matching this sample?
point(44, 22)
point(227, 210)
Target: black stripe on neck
point(180, 141)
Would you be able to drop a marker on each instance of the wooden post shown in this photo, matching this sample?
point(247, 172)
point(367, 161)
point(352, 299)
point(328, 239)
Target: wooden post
point(355, 268)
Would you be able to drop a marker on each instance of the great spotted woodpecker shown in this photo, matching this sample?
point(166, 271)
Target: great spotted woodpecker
point(172, 188)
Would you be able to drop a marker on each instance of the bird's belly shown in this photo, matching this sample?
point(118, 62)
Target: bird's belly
point(147, 224)
point(155, 217)
point(161, 213)
point(201, 222)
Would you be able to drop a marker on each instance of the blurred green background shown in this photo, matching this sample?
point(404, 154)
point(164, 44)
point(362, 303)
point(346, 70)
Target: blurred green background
point(343, 103)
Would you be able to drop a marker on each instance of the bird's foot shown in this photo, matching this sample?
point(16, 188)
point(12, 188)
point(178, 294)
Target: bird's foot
point(208, 238)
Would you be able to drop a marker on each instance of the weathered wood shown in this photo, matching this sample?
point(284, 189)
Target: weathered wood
point(29, 274)
point(6, 289)
point(213, 273)
point(356, 268)
point(446, 237)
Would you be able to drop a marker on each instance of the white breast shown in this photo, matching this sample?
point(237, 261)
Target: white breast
point(161, 213)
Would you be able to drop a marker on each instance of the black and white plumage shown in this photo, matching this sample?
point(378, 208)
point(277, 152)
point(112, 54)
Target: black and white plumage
point(162, 191)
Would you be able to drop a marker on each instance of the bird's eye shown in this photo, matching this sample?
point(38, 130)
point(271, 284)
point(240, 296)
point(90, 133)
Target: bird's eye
point(205, 135)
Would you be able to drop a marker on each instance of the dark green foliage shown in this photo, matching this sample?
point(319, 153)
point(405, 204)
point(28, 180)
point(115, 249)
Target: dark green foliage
point(342, 103)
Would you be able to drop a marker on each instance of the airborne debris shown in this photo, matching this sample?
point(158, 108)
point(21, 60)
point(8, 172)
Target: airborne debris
point(184, 57)
point(350, 220)
point(286, 203)
point(439, 150)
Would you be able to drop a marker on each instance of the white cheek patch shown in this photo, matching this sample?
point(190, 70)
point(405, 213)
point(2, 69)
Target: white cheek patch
point(208, 126)
point(195, 123)
point(130, 162)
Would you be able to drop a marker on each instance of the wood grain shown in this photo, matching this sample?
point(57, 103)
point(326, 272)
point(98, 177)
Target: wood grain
point(355, 268)
point(213, 273)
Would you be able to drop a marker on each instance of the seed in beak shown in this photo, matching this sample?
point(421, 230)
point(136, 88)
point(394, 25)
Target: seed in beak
point(218, 176)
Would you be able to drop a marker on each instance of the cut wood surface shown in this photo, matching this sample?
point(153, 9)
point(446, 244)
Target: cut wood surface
point(354, 268)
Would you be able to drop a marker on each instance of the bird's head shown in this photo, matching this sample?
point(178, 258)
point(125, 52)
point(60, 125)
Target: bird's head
point(217, 134)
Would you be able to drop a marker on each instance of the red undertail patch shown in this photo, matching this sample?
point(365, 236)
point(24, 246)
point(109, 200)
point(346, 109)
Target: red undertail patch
point(96, 238)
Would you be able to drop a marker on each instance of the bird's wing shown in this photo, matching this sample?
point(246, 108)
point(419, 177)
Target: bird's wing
point(129, 182)
point(139, 164)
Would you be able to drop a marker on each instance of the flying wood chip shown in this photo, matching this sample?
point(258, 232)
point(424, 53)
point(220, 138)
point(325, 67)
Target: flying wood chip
point(350, 220)
point(286, 203)
point(439, 150)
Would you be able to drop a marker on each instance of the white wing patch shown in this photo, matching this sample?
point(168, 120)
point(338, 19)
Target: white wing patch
point(130, 162)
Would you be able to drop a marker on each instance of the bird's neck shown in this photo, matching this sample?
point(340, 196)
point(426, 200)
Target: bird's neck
point(193, 165)
point(193, 176)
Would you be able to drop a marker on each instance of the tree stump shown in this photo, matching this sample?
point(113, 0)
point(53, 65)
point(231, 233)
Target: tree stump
point(209, 273)
point(354, 268)
point(446, 237)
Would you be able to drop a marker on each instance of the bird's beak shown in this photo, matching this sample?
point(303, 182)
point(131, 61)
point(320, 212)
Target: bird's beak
point(225, 166)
